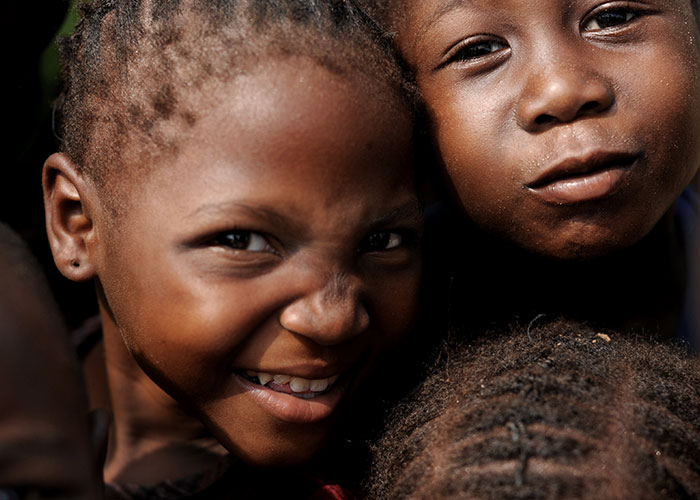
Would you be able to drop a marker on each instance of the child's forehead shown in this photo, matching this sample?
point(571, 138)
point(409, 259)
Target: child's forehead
point(132, 72)
point(300, 93)
point(431, 10)
point(415, 21)
point(287, 96)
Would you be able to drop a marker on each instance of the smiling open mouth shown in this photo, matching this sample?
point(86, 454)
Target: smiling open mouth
point(295, 386)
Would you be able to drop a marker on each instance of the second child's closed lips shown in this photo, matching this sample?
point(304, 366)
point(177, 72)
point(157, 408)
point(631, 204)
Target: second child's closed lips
point(581, 178)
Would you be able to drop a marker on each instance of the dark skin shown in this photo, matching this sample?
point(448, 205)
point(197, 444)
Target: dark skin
point(45, 450)
point(281, 239)
point(566, 131)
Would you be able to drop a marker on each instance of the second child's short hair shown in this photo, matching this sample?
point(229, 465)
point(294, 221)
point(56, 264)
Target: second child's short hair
point(557, 412)
point(131, 65)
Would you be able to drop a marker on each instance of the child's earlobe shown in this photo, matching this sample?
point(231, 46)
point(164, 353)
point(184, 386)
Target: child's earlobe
point(68, 224)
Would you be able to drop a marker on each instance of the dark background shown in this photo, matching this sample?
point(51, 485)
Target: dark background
point(30, 85)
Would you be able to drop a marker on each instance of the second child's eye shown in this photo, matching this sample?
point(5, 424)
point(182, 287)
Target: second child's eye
point(248, 241)
point(608, 19)
point(479, 49)
point(474, 49)
point(380, 241)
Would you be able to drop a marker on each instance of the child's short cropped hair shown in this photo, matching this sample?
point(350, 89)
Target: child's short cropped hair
point(558, 411)
point(130, 68)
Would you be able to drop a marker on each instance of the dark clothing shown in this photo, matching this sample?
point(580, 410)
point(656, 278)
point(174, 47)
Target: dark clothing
point(476, 282)
point(230, 480)
point(689, 223)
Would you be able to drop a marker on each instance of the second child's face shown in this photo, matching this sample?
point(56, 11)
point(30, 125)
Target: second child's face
point(567, 127)
point(259, 272)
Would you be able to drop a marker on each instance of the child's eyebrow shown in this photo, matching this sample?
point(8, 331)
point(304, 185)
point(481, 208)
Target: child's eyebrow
point(224, 210)
point(439, 13)
point(411, 210)
point(446, 9)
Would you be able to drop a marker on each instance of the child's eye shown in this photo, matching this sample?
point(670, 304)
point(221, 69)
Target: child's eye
point(248, 241)
point(611, 18)
point(381, 241)
point(474, 48)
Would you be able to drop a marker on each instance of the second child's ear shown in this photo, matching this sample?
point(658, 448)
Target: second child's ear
point(68, 222)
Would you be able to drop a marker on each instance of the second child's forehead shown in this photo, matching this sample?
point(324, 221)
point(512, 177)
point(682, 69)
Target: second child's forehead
point(438, 24)
point(425, 14)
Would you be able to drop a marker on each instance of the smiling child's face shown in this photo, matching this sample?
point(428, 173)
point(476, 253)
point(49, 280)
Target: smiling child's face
point(281, 240)
point(566, 127)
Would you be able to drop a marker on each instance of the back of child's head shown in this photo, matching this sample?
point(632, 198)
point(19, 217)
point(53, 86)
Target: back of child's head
point(556, 412)
point(137, 73)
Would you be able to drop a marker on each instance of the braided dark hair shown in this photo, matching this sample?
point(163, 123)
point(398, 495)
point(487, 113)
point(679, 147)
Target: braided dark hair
point(132, 67)
point(560, 412)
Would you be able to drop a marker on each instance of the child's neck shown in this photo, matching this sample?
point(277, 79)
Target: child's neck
point(639, 288)
point(152, 438)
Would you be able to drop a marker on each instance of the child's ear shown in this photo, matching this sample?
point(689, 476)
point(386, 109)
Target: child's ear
point(68, 222)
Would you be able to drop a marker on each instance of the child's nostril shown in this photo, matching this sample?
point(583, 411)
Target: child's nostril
point(589, 106)
point(544, 119)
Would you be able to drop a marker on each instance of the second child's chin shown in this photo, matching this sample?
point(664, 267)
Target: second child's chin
point(576, 251)
point(579, 243)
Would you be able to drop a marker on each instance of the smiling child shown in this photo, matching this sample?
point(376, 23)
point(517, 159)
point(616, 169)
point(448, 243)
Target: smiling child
point(236, 177)
point(568, 133)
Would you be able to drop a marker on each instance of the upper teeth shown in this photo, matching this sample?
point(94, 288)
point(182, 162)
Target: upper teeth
point(297, 384)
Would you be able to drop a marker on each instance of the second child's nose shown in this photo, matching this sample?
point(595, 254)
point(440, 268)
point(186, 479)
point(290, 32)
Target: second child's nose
point(328, 316)
point(561, 91)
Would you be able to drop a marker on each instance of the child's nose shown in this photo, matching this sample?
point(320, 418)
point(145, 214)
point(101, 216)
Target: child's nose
point(561, 90)
point(329, 314)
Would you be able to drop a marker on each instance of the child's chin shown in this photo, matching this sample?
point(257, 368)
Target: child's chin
point(578, 249)
point(283, 450)
point(580, 242)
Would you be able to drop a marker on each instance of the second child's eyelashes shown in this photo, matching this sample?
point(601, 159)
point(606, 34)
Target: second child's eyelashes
point(610, 16)
point(485, 51)
point(608, 19)
point(479, 49)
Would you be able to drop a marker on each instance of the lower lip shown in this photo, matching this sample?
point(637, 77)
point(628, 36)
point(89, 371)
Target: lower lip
point(584, 188)
point(291, 409)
